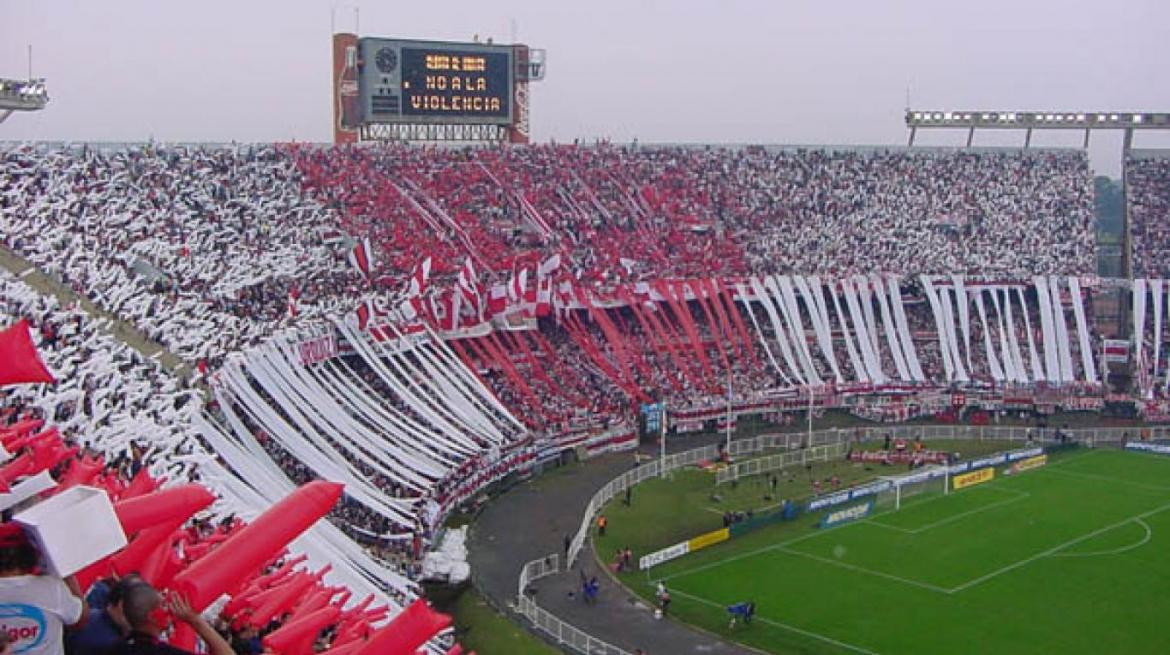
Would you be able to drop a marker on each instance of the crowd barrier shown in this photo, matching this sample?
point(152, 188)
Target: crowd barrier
point(565, 634)
point(841, 437)
point(824, 443)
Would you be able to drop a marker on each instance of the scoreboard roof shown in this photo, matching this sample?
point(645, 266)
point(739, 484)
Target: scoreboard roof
point(414, 81)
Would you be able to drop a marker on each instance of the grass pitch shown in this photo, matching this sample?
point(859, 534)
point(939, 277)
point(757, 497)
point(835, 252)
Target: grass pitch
point(1072, 558)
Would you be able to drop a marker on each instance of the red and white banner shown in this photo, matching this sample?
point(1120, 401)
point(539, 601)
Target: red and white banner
point(1116, 351)
point(361, 257)
point(419, 278)
point(319, 349)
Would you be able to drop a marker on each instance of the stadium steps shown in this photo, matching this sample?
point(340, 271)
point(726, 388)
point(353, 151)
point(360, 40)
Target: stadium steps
point(119, 329)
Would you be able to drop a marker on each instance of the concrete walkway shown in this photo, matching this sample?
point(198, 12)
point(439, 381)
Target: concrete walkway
point(531, 520)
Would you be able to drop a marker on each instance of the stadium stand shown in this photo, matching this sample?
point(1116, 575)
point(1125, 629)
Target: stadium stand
point(1148, 196)
point(417, 323)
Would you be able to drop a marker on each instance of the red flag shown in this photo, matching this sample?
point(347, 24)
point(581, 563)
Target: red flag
point(20, 363)
point(293, 294)
point(361, 257)
point(517, 286)
point(363, 315)
point(418, 280)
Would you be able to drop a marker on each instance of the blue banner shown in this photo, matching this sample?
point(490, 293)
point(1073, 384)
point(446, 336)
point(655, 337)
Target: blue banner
point(845, 515)
point(1156, 448)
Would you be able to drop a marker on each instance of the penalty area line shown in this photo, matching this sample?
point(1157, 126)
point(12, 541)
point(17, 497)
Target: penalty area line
point(1120, 549)
point(1020, 495)
point(1057, 548)
point(861, 569)
point(783, 626)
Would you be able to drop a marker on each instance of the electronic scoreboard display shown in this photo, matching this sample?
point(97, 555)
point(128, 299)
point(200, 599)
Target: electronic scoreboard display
point(435, 82)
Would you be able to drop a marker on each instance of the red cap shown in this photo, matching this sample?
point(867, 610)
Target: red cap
point(12, 535)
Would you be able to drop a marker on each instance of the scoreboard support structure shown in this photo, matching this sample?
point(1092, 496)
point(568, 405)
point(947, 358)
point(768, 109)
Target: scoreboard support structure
point(387, 89)
point(432, 132)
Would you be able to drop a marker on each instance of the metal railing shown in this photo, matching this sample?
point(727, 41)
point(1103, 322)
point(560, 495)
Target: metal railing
point(822, 445)
point(564, 633)
point(781, 460)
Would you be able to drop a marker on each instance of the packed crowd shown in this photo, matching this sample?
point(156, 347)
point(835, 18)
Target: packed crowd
point(213, 251)
point(209, 250)
point(117, 420)
point(203, 250)
point(629, 213)
point(109, 399)
point(1147, 182)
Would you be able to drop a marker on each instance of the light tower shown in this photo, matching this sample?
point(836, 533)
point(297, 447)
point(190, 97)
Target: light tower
point(21, 95)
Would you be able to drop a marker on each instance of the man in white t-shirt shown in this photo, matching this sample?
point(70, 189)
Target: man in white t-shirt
point(34, 609)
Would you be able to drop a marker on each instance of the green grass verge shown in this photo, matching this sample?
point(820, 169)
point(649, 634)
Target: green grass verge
point(665, 512)
point(480, 628)
point(1068, 558)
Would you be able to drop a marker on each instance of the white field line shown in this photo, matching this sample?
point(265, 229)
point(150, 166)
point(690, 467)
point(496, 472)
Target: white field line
point(1055, 549)
point(956, 517)
point(1120, 549)
point(783, 545)
point(762, 509)
point(1107, 478)
point(918, 501)
point(782, 626)
point(862, 569)
point(751, 553)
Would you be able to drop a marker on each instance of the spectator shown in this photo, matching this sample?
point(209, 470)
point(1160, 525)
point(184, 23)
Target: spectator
point(34, 603)
point(149, 615)
point(106, 626)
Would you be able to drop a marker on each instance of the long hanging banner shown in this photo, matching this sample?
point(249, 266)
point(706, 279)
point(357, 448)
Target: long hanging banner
point(820, 324)
point(1051, 360)
point(868, 355)
point(779, 332)
point(865, 295)
point(1009, 364)
point(907, 339)
point(1064, 353)
point(964, 314)
point(1033, 356)
point(944, 301)
point(788, 298)
point(742, 291)
point(1074, 289)
point(1156, 289)
point(943, 346)
point(891, 334)
point(992, 360)
point(1013, 335)
point(859, 371)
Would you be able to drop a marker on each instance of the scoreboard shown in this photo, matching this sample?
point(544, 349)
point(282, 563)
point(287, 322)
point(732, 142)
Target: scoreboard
point(406, 81)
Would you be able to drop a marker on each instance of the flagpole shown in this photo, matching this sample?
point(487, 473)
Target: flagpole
point(662, 438)
point(728, 451)
point(810, 412)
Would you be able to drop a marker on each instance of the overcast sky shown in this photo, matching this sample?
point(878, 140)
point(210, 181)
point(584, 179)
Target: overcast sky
point(776, 71)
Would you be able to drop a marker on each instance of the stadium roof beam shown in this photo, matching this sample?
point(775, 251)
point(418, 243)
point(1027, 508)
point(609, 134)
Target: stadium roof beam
point(21, 95)
point(1037, 120)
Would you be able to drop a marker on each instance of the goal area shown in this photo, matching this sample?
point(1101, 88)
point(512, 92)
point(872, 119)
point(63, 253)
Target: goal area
point(929, 480)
